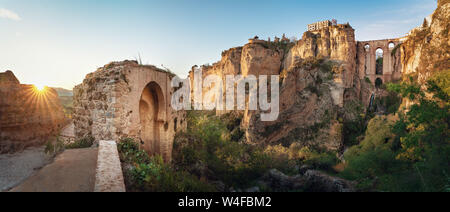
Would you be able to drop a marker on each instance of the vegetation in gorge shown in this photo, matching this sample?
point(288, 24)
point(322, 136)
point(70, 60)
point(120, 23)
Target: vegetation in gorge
point(145, 173)
point(212, 156)
point(409, 151)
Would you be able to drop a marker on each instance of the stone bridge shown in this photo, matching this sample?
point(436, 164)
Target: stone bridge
point(379, 60)
point(125, 99)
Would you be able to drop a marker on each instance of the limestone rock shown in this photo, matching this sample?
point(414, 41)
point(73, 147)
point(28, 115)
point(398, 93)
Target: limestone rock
point(311, 181)
point(308, 110)
point(427, 49)
point(27, 117)
point(325, 183)
point(277, 181)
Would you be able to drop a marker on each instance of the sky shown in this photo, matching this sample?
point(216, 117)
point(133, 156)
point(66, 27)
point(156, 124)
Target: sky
point(57, 42)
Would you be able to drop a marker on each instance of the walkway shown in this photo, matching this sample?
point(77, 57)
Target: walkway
point(72, 171)
point(17, 167)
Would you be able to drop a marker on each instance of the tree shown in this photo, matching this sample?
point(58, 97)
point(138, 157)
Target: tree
point(425, 23)
point(423, 130)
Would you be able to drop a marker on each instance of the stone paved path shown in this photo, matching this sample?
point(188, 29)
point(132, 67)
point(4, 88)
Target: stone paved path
point(72, 171)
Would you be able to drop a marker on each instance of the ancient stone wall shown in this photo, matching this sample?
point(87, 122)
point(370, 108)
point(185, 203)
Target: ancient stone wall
point(27, 116)
point(125, 99)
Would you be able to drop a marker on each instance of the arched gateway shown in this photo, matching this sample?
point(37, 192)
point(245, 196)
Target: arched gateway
point(150, 105)
point(125, 99)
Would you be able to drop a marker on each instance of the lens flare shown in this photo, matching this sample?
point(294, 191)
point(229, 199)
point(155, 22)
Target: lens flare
point(40, 88)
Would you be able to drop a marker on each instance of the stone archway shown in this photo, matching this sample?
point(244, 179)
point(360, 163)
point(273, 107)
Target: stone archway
point(151, 107)
point(378, 83)
point(379, 64)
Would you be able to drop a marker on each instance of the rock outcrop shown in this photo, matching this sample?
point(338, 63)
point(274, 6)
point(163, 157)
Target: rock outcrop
point(27, 116)
point(308, 109)
point(310, 181)
point(312, 90)
point(335, 43)
point(427, 48)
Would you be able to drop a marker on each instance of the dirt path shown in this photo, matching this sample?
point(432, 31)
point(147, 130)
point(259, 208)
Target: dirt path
point(72, 171)
point(15, 168)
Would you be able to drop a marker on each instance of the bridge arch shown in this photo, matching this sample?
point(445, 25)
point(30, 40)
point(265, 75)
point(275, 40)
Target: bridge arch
point(378, 83)
point(379, 53)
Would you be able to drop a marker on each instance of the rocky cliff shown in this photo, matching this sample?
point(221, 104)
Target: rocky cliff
point(27, 116)
point(312, 90)
point(427, 49)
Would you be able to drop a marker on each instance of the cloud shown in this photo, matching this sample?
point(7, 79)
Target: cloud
point(8, 14)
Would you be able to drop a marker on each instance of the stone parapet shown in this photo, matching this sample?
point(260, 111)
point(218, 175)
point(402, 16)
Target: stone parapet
point(109, 176)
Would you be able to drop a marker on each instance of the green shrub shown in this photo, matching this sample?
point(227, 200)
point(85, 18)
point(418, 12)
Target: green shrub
point(410, 152)
point(211, 149)
point(151, 174)
point(85, 142)
point(317, 159)
point(130, 152)
point(49, 147)
point(378, 170)
point(157, 176)
point(54, 147)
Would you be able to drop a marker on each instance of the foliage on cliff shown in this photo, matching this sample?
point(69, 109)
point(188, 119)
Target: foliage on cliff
point(410, 152)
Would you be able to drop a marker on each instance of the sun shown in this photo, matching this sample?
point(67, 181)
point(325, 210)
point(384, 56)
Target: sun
point(40, 88)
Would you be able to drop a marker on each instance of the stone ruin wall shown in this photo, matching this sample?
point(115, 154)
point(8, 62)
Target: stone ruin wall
point(27, 118)
point(108, 105)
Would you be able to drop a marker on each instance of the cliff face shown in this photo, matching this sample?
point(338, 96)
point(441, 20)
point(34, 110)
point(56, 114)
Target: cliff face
point(335, 42)
point(27, 117)
point(308, 110)
point(312, 91)
point(260, 59)
point(427, 48)
point(327, 75)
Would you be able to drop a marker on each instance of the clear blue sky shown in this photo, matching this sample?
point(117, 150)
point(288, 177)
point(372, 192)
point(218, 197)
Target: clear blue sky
point(57, 42)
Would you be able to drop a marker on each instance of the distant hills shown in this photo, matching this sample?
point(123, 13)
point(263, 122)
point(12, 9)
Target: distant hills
point(63, 92)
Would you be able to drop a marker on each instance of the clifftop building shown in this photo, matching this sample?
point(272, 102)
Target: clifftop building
point(321, 25)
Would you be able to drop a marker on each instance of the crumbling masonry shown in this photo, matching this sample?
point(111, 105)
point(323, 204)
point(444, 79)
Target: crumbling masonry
point(125, 99)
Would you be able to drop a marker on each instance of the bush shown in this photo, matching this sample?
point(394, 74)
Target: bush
point(129, 152)
point(85, 142)
point(410, 152)
point(54, 147)
point(151, 174)
point(157, 176)
point(211, 149)
point(378, 170)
